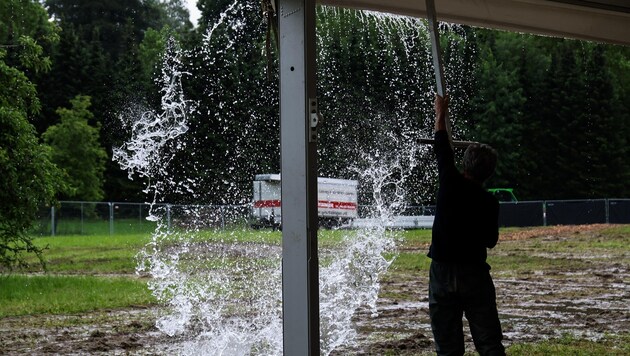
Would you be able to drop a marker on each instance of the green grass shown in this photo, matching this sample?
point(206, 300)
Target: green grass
point(90, 254)
point(416, 238)
point(411, 262)
point(28, 295)
point(70, 226)
point(570, 345)
point(234, 236)
point(97, 254)
point(326, 238)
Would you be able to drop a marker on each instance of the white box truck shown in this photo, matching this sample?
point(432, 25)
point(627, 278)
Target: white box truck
point(336, 201)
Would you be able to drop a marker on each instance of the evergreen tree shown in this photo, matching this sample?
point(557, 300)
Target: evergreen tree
point(497, 114)
point(234, 131)
point(605, 144)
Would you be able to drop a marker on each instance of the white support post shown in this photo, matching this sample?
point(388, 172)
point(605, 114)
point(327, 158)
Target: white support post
point(298, 136)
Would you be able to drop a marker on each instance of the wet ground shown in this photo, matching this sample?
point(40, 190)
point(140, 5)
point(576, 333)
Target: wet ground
point(582, 293)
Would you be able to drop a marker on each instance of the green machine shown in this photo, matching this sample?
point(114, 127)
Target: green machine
point(504, 194)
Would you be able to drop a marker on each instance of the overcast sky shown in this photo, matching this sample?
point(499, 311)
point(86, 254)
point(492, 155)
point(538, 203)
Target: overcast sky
point(194, 12)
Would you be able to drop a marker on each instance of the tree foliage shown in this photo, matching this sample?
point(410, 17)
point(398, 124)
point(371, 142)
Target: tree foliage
point(556, 113)
point(29, 179)
point(99, 56)
point(557, 110)
point(77, 151)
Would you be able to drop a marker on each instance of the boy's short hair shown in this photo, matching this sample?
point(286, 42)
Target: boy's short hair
point(479, 162)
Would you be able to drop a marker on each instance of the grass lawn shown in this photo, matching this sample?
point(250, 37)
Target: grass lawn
point(95, 254)
point(49, 294)
point(569, 345)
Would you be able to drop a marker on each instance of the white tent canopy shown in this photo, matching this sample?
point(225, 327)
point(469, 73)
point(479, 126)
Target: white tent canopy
point(595, 20)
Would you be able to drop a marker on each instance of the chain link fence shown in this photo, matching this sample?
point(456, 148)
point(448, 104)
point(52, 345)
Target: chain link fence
point(99, 218)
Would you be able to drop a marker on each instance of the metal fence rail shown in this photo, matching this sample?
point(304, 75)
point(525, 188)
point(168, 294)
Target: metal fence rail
point(565, 212)
point(101, 218)
point(92, 218)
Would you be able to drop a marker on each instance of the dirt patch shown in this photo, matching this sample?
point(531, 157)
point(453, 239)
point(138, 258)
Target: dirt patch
point(127, 331)
point(586, 297)
point(553, 231)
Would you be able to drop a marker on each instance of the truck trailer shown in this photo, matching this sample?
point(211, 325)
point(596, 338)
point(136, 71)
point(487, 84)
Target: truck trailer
point(336, 201)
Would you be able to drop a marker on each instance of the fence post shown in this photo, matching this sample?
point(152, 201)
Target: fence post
point(607, 207)
point(544, 213)
point(81, 218)
point(111, 218)
point(52, 220)
point(222, 218)
point(168, 218)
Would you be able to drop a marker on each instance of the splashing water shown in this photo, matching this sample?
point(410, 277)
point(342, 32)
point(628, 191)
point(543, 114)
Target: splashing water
point(146, 153)
point(233, 308)
point(352, 280)
point(222, 296)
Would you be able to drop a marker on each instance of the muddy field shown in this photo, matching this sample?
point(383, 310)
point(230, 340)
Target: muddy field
point(584, 293)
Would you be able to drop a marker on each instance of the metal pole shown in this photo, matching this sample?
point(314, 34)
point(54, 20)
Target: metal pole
point(82, 218)
point(222, 218)
point(168, 218)
point(437, 57)
point(52, 220)
point(298, 135)
point(435, 48)
point(111, 219)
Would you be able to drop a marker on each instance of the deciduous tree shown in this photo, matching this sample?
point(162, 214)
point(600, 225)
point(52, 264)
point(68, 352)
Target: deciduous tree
point(77, 151)
point(29, 180)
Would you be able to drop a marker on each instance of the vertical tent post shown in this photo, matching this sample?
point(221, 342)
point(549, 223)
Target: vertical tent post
point(298, 136)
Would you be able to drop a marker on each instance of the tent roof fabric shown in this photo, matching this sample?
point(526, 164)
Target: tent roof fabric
point(605, 21)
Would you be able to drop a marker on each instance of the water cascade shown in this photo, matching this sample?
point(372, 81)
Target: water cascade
point(220, 289)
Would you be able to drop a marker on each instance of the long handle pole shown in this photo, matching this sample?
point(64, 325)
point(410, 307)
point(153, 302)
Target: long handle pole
point(435, 48)
point(437, 58)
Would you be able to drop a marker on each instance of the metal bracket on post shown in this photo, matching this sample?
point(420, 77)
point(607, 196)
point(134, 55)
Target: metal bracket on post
point(315, 119)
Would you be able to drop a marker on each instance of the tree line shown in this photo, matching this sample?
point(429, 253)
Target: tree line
point(557, 110)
